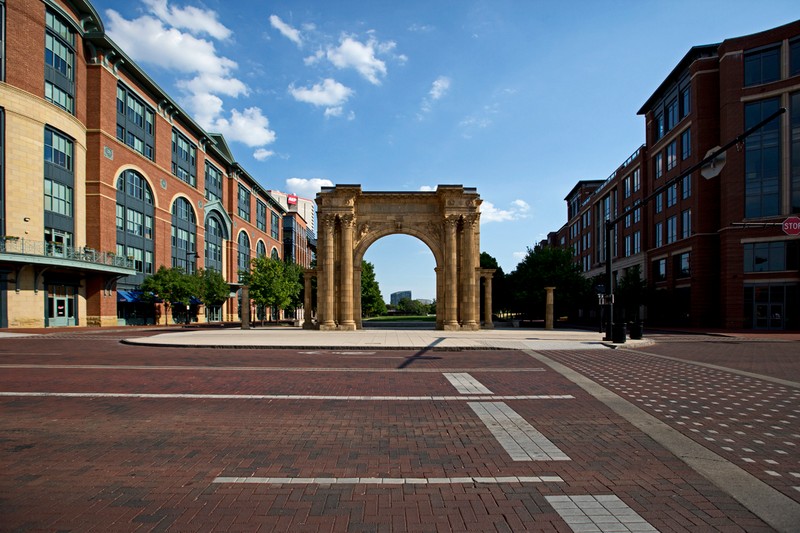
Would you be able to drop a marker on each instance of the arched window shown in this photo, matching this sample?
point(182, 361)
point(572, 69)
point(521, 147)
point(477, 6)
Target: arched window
point(244, 252)
point(135, 234)
point(275, 254)
point(213, 243)
point(261, 249)
point(184, 236)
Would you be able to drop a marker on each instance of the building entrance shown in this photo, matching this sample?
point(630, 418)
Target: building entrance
point(61, 305)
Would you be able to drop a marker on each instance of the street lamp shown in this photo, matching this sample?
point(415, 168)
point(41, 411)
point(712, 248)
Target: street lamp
point(711, 166)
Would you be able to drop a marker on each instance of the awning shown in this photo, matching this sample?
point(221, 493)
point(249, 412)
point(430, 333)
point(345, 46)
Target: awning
point(195, 301)
point(128, 296)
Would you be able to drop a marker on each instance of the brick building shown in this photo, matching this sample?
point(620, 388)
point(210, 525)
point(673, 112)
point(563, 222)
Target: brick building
point(103, 178)
point(712, 250)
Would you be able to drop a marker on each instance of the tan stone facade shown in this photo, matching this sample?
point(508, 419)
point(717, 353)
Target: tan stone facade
point(350, 221)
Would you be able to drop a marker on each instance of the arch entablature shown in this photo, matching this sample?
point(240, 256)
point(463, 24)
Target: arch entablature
point(350, 221)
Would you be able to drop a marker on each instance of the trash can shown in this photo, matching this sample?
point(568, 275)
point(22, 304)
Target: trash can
point(618, 333)
point(636, 330)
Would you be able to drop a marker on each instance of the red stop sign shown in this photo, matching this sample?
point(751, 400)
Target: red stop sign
point(791, 226)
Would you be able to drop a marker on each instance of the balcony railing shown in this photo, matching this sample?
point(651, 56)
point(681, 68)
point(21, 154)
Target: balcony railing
point(15, 245)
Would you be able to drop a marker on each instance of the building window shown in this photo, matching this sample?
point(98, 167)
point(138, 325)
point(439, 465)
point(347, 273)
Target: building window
point(261, 216)
point(184, 158)
point(672, 195)
point(135, 122)
point(659, 126)
point(686, 187)
point(57, 149)
point(627, 187)
point(763, 66)
point(794, 57)
point(57, 198)
point(275, 254)
point(275, 227)
point(59, 59)
point(637, 215)
point(686, 101)
point(672, 155)
point(184, 230)
point(120, 217)
point(628, 220)
point(680, 265)
point(686, 224)
point(672, 114)
point(660, 270)
point(135, 212)
point(135, 222)
point(637, 242)
point(261, 249)
point(659, 234)
point(213, 181)
point(658, 165)
point(672, 229)
point(773, 256)
point(244, 203)
point(244, 253)
point(795, 140)
point(637, 180)
point(627, 245)
point(213, 243)
point(762, 161)
point(659, 202)
point(686, 144)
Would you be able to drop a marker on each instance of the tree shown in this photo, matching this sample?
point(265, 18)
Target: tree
point(407, 306)
point(212, 289)
point(372, 303)
point(171, 285)
point(631, 292)
point(500, 296)
point(547, 266)
point(272, 282)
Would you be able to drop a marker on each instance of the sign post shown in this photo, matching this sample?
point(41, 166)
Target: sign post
point(791, 226)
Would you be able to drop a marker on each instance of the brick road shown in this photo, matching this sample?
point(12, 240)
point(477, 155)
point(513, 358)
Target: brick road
point(131, 438)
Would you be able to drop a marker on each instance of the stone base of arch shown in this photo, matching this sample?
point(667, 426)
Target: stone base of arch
point(351, 220)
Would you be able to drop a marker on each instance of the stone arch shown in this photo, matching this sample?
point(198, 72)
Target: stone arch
point(350, 221)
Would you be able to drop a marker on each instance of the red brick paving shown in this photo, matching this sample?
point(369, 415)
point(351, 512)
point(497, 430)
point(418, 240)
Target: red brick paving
point(124, 464)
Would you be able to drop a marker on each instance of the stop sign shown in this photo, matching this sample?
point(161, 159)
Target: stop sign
point(791, 226)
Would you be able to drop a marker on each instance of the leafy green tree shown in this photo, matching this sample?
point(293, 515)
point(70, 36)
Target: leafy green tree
point(212, 289)
point(172, 285)
point(500, 296)
point(631, 292)
point(272, 283)
point(547, 266)
point(372, 303)
point(407, 306)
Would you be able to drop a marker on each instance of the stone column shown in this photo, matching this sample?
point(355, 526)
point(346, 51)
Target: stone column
point(470, 305)
point(439, 297)
point(325, 299)
point(307, 298)
point(245, 307)
point(451, 274)
point(487, 302)
point(548, 314)
point(357, 296)
point(346, 321)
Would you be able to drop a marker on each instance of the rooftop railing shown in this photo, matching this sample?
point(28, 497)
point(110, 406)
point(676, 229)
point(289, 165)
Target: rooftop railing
point(16, 245)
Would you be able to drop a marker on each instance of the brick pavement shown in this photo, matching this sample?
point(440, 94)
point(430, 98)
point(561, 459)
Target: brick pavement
point(155, 464)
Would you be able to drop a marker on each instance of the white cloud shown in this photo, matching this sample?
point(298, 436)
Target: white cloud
point(189, 18)
point(440, 87)
point(286, 30)
point(360, 56)
point(427, 188)
point(329, 94)
point(262, 154)
point(250, 127)
point(490, 213)
point(158, 41)
point(307, 188)
point(519, 256)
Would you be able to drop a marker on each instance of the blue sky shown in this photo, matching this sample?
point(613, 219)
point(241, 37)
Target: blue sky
point(518, 98)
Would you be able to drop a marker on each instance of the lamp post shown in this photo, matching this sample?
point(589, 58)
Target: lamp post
point(189, 271)
point(711, 166)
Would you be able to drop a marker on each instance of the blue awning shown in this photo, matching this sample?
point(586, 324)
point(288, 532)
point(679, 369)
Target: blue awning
point(195, 301)
point(127, 296)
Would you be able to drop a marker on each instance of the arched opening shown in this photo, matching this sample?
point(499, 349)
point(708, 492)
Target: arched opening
point(405, 268)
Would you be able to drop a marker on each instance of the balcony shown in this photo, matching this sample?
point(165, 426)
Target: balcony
point(28, 252)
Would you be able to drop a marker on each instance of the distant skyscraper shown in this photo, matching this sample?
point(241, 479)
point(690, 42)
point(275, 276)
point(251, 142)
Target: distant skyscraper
point(397, 296)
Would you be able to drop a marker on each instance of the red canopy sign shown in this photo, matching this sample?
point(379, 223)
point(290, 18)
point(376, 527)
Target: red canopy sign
point(791, 226)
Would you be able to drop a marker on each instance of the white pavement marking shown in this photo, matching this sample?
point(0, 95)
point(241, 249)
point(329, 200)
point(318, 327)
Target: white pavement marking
point(465, 383)
point(521, 440)
point(11, 394)
point(599, 514)
point(386, 480)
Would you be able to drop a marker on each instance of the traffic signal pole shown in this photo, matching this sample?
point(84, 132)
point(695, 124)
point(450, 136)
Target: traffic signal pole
point(612, 222)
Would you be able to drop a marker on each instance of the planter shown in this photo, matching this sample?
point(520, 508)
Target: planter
point(636, 330)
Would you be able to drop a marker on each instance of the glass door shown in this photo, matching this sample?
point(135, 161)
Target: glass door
point(57, 241)
point(60, 305)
